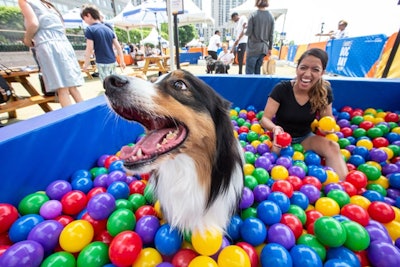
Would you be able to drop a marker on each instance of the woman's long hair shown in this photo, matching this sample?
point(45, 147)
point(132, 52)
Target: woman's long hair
point(319, 92)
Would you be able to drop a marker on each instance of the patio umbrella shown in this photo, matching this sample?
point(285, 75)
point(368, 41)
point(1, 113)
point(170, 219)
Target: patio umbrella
point(72, 19)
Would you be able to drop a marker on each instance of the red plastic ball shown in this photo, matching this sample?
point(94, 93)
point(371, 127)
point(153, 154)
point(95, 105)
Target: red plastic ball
point(313, 181)
point(293, 222)
point(98, 225)
point(357, 178)
point(346, 131)
point(183, 257)
point(391, 117)
point(357, 112)
point(381, 212)
point(110, 160)
point(283, 139)
point(251, 115)
point(311, 216)
point(355, 213)
point(137, 187)
point(251, 252)
point(283, 186)
point(243, 129)
point(366, 125)
point(350, 189)
point(351, 167)
point(347, 109)
point(295, 181)
point(8, 215)
point(94, 191)
point(104, 236)
point(73, 202)
point(125, 248)
point(380, 142)
point(145, 210)
point(64, 219)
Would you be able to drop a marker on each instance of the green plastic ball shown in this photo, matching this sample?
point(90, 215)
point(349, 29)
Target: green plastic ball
point(330, 232)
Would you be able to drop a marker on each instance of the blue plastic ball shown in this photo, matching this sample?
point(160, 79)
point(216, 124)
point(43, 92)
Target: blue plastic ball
point(167, 240)
point(119, 190)
point(275, 255)
point(312, 158)
point(300, 199)
point(281, 199)
point(253, 231)
point(305, 256)
point(233, 229)
point(269, 212)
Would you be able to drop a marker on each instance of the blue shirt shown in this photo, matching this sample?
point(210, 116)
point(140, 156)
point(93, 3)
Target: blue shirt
point(102, 37)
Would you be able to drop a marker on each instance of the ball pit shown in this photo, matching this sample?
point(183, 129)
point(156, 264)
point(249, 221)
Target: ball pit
point(365, 217)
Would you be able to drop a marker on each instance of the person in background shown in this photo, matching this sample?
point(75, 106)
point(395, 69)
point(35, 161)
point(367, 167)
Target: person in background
point(100, 39)
point(339, 34)
point(214, 44)
point(226, 56)
point(260, 30)
point(293, 105)
point(45, 33)
point(239, 46)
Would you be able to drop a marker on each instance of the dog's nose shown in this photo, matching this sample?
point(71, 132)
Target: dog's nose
point(114, 81)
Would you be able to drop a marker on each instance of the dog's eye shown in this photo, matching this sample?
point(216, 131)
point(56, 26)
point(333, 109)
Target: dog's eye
point(180, 85)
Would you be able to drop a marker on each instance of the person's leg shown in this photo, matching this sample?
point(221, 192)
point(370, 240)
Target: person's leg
point(240, 54)
point(76, 95)
point(259, 61)
point(330, 151)
point(250, 64)
point(63, 97)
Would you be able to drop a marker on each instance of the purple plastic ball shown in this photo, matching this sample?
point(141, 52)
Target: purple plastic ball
point(250, 148)
point(311, 191)
point(383, 254)
point(297, 171)
point(332, 186)
point(27, 253)
point(146, 228)
point(390, 168)
point(261, 192)
point(377, 234)
point(281, 234)
point(101, 160)
point(262, 148)
point(115, 176)
point(51, 209)
point(263, 162)
point(284, 161)
point(100, 180)
point(100, 206)
point(247, 198)
point(378, 155)
point(343, 123)
point(47, 234)
point(57, 189)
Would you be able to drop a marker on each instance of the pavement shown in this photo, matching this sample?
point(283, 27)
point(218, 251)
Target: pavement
point(94, 88)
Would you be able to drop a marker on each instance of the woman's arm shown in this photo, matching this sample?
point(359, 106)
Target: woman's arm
point(269, 112)
point(31, 22)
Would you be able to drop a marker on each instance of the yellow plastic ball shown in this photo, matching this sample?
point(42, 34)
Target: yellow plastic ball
point(396, 213)
point(233, 256)
point(378, 120)
point(393, 228)
point(327, 123)
point(360, 201)
point(207, 243)
point(368, 117)
point(298, 156)
point(382, 181)
point(396, 130)
point(76, 235)
point(371, 111)
point(157, 208)
point(333, 137)
point(314, 125)
point(235, 134)
point(148, 257)
point(279, 172)
point(380, 114)
point(388, 152)
point(365, 143)
point(332, 177)
point(256, 128)
point(248, 168)
point(327, 206)
point(202, 261)
point(345, 153)
point(255, 143)
point(375, 164)
point(233, 112)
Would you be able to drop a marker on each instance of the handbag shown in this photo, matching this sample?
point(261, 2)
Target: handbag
point(5, 90)
point(43, 87)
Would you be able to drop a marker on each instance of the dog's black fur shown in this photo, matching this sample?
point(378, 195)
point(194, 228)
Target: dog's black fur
point(215, 66)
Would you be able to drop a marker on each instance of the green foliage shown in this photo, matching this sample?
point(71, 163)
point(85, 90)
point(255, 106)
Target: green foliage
point(11, 18)
point(186, 34)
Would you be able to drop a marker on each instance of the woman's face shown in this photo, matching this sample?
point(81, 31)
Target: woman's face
point(308, 72)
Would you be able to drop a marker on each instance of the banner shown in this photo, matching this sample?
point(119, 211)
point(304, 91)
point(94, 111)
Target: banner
point(354, 57)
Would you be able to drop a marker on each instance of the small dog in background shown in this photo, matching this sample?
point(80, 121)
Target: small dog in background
point(215, 66)
point(196, 163)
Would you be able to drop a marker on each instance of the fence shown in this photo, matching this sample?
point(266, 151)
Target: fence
point(11, 41)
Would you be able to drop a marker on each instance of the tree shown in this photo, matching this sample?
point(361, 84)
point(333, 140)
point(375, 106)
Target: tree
point(11, 18)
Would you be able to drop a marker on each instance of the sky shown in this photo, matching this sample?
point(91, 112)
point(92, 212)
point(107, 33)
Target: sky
point(364, 17)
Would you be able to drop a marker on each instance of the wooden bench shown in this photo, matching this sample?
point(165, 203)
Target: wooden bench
point(89, 70)
point(17, 103)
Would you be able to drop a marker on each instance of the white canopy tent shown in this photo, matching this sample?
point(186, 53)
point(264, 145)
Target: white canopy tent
point(152, 38)
point(72, 19)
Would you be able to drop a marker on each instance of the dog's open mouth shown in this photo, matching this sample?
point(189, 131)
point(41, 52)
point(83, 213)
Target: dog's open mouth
point(163, 136)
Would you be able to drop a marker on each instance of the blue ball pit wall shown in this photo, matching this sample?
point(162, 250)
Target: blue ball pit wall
point(35, 152)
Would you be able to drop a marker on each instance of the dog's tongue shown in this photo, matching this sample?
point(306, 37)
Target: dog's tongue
point(149, 144)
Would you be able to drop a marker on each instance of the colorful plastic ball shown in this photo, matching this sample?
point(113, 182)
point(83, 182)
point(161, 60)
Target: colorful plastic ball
point(357, 237)
point(51, 209)
point(46, 233)
point(251, 253)
point(393, 229)
point(394, 180)
point(327, 123)
point(311, 191)
point(295, 181)
point(183, 257)
point(298, 212)
point(311, 241)
point(305, 256)
point(60, 258)
point(205, 261)
point(9, 214)
point(269, 212)
point(281, 234)
point(73, 202)
point(206, 243)
point(279, 172)
point(32, 203)
point(261, 192)
point(378, 234)
point(356, 213)
point(233, 229)
point(281, 199)
point(356, 160)
point(283, 139)
point(147, 227)
point(283, 186)
point(365, 143)
point(299, 199)
point(329, 232)
point(100, 206)
point(119, 190)
point(125, 248)
point(21, 227)
point(76, 235)
point(381, 212)
point(120, 220)
point(312, 158)
point(343, 254)
point(253, 231)
point(383, 254)
point(57, 189)
point(94, 254)
point(233, 256)
point(83, 184)
point(373, 195)
point(24, 253)
point(117, 165)
point(148, 257)
point(317, 172)
point(357, 178)
point(261, 174)
point(274, 254)
point(339, 196)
